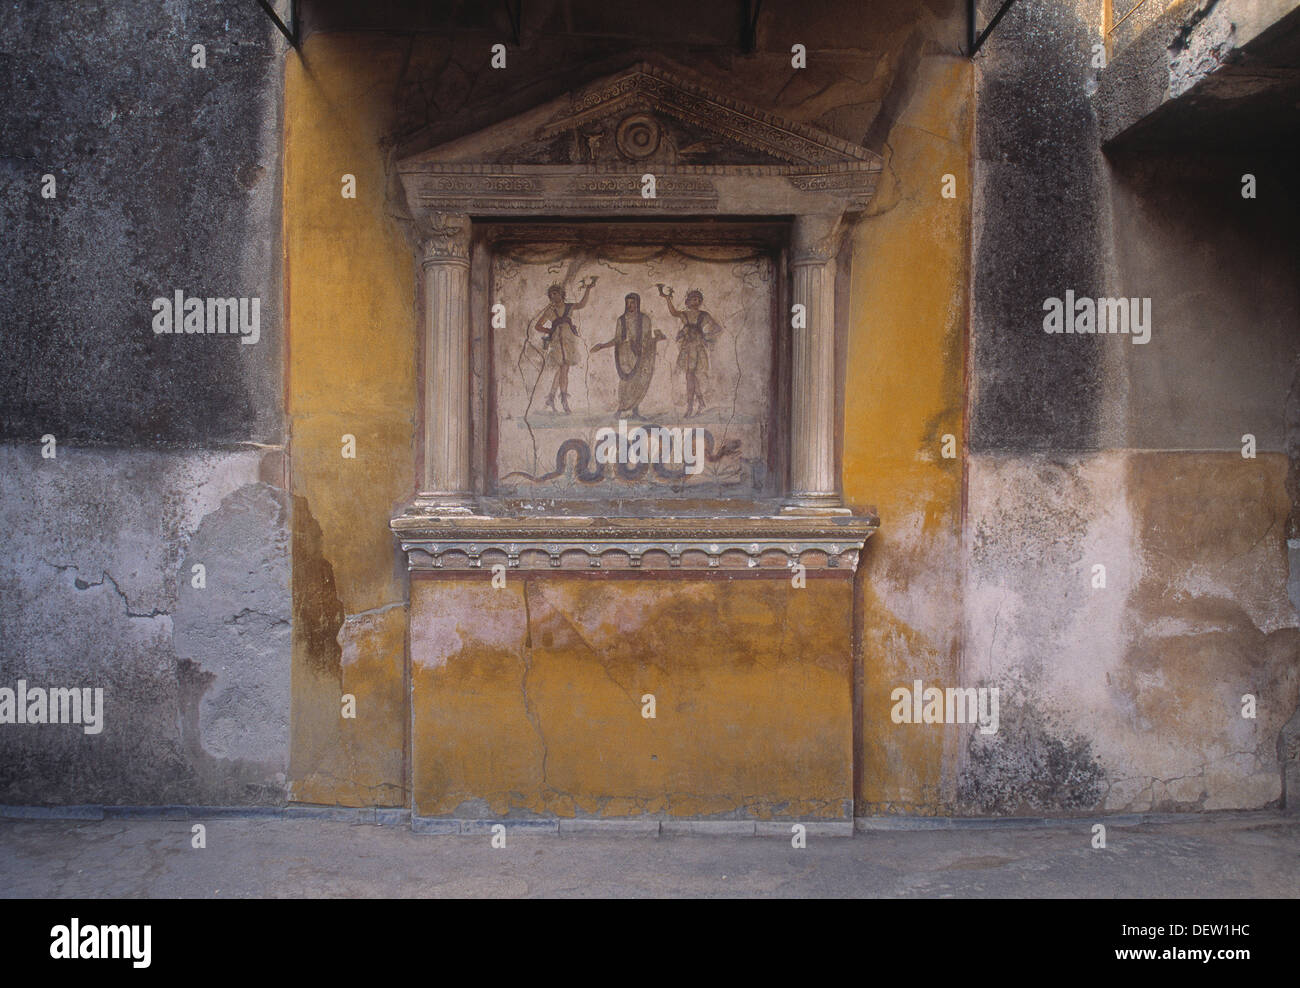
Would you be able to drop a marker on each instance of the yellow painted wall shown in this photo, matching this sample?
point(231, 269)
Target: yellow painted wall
point(529, 698)
point(351, 371)
point(906, 382)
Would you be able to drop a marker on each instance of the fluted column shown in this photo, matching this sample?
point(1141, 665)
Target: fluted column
point(445, 486)
point(813, 484)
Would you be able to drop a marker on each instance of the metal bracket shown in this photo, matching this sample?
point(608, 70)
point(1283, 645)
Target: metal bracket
point(1132, 10)
point(975, 43)
point(291, 33)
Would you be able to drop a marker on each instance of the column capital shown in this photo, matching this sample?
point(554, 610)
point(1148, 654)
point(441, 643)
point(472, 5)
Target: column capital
point(444, 239)
point(816, 238)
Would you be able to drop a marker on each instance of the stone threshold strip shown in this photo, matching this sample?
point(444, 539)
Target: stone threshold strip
point(451, 826)
point(394, 817)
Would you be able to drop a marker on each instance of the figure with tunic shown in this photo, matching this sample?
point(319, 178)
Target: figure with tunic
point(699, 331)
point(560, 339)
point(634, 343)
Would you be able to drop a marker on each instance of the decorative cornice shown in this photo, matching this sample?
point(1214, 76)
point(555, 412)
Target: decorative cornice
point(469, 177)
point(647, 544)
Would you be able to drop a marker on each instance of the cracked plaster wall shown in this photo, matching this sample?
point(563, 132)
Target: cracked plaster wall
point(1089, 450)
point(528, 699)
point(168, 448)
point(1075, 455)
point(95, 579)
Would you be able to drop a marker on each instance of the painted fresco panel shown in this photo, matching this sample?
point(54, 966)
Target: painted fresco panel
point(600, 342)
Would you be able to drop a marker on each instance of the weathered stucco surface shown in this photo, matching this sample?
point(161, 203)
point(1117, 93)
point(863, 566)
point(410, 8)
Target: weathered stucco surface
point(1095, 451)
point(167, 447)
point(167, 177)
point(1128, 697)
point(905, 373)
point(528, 699)
point(1071, 451)
point(352, 360)
point(195, 692)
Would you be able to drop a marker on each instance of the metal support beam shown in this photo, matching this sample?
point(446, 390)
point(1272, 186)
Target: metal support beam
point(975, 43)
point(749, 27)
point(290, 31)
point(516, 16)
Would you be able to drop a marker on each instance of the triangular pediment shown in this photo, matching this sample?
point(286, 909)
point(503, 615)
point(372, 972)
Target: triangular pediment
point(653, 117)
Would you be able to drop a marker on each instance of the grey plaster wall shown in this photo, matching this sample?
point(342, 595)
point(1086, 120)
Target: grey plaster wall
point(167, 178)
point(97, 549)
point(1126, 693)
point(1223, 273)
point(1040, 228)
point(168, 447)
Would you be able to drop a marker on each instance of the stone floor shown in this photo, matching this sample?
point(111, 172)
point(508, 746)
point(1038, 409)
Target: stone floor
point(1228, 855)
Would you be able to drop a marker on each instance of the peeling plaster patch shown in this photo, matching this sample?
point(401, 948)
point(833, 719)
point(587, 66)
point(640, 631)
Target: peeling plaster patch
point(1040, 630)
point(553, 725)
point(207, 481)
point(1207, 622)
point(456, 616)
point(357, 628)
point(600, 617)
point(149, 501)
point(317, 610)
point(1200, 48)
point(235, 629)
point(91, 549)
point(1175, 627)
point(1226, 565)
point(1039, 528)
point(914, 580)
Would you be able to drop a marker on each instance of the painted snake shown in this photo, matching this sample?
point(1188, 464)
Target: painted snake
point(588, 474)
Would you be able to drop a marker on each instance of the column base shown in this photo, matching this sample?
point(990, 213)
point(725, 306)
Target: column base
point(807, 511)
point(439, 504)
point(816, 504)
